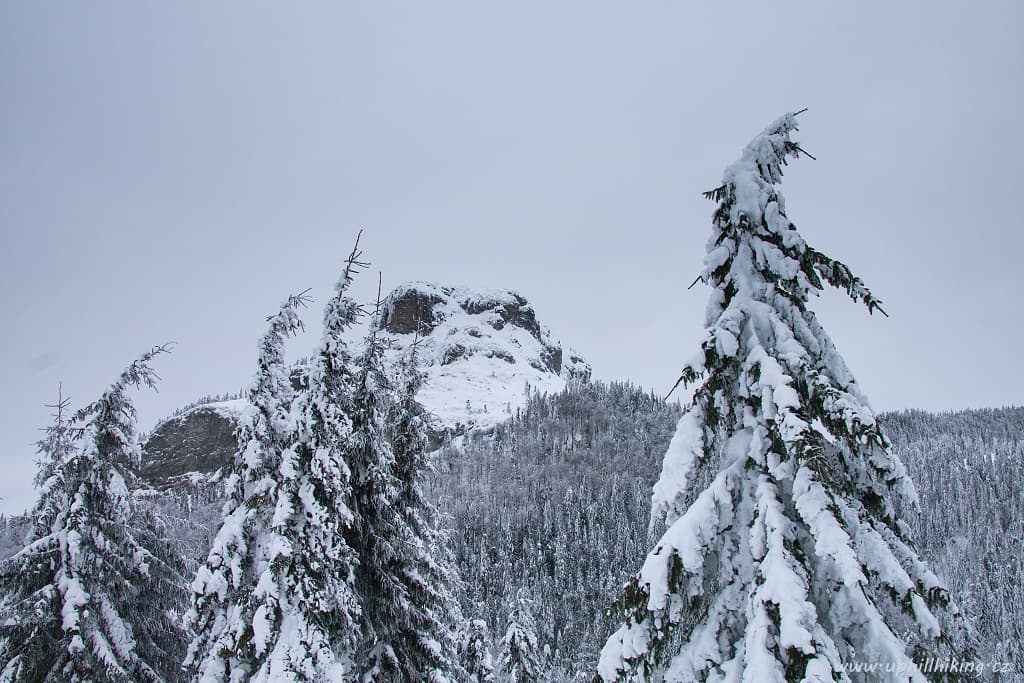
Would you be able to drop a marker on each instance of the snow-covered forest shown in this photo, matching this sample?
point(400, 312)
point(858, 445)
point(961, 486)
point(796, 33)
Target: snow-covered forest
point(556, 503)
point(762, 524)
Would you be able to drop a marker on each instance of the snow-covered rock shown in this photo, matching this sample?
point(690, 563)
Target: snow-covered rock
point(483, 352)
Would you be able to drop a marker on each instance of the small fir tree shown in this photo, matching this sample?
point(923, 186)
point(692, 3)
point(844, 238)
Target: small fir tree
point(93, 594)
point(475, 651)
point(518, 657)
point(782, 558)
point(32, 627)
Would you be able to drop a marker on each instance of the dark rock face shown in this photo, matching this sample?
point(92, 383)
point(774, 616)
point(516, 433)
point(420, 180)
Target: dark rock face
point(518, 314)
point(453, 353)
point(552, 357)
point(411, 311)
point(501, 354)
point(201, 440)
point(521, 315)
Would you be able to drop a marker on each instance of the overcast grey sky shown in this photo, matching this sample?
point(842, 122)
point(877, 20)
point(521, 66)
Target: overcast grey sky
point(170, 171)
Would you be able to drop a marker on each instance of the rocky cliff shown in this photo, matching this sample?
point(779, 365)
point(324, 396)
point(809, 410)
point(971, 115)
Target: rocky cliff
point(200, 440)
point(482, 353)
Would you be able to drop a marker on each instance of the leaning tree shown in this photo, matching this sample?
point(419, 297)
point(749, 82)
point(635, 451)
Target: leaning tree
point(782, 558)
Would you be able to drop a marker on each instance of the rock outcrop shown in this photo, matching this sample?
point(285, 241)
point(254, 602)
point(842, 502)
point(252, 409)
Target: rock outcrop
point(200, 440)
point(422, 306)
point(482, 354)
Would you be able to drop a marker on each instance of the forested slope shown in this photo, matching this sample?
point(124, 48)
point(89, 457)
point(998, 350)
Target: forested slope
point(557, 501)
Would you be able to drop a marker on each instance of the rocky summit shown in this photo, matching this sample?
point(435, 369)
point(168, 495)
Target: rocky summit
point(483, 352)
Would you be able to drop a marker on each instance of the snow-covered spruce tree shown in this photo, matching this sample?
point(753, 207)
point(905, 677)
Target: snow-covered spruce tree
point(92, 595)
point(782, 559)
point(407, 611)
point(273, 599)
point(428, 637)
point(475, 651)
point(377, 531)
point(518, 657)
point(32, 625)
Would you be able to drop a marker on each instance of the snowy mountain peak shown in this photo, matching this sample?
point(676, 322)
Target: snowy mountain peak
point(482, 351)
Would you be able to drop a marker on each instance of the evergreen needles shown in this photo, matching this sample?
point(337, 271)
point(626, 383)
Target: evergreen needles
point(782, 558)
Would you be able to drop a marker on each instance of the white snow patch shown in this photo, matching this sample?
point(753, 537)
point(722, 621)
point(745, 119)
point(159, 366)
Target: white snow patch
point(479, 368)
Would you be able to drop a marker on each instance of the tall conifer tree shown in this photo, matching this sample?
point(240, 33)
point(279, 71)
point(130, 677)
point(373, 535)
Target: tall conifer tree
point(273, 599)
point(782, 558)
point(408, 614)
point(429, 632)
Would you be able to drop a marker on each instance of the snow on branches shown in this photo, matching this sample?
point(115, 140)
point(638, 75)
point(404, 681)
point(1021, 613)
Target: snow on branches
point(781, 557)
point(92, 594)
